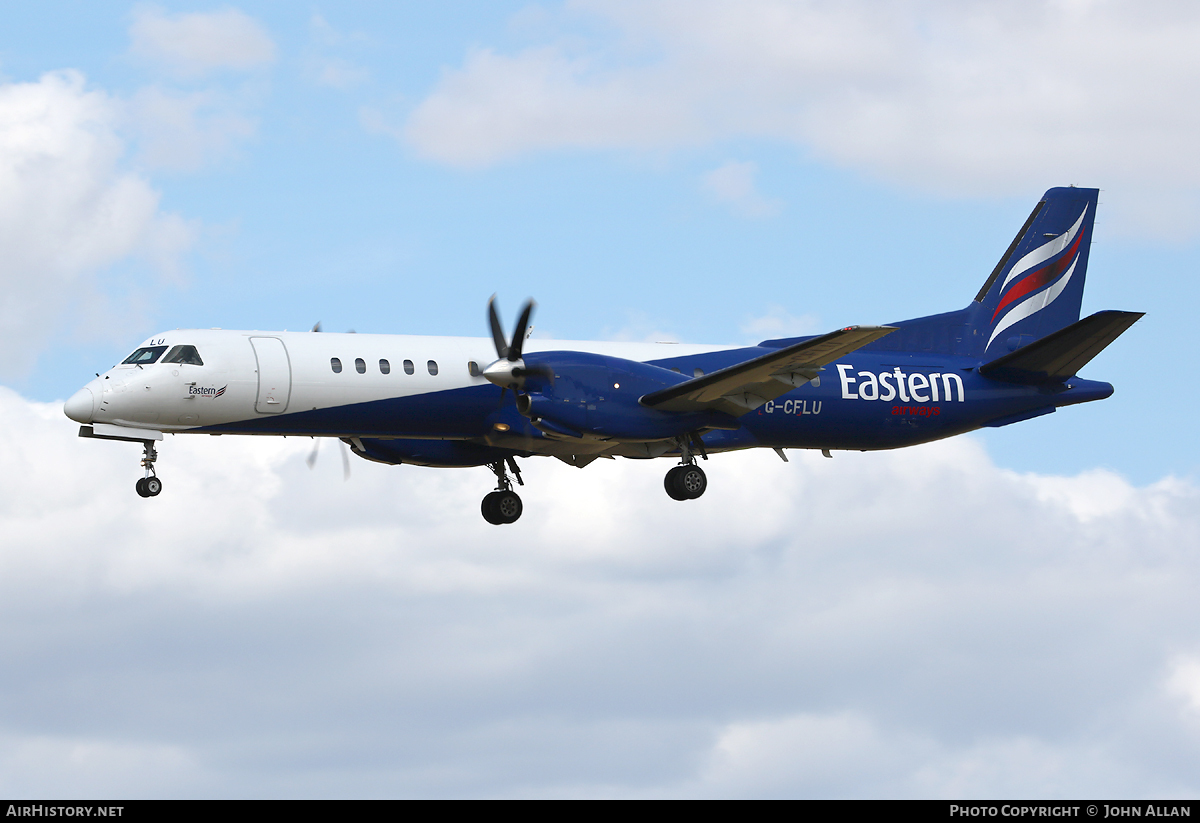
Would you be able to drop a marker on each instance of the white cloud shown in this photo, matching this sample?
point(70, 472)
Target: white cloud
point(33, 765)
point(194, 44)
point(324, 35)
point(734, 184)
point(779, 322)
point(181, 130)
point(838, 753)
point(641, 326)
point(184, 131)
point(336, 73)
point(496, 107)
point(329, 70)
point(913, 623)
point(965, 99)
point(1184, 682)
point(828, 754)
point(67, 208)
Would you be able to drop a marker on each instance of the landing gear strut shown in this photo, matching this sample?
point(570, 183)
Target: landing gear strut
point(503, 505)
point(687, 481)
point(150, 485)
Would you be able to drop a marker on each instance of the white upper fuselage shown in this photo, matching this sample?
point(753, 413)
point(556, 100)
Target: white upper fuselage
point(252, 375)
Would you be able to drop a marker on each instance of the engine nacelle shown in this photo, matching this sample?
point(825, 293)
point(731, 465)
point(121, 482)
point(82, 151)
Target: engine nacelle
point(595, 395)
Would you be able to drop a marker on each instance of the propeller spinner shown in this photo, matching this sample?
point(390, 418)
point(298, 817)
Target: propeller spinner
point(510, 371)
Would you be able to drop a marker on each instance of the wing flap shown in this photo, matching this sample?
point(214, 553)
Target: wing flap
point(745, 386)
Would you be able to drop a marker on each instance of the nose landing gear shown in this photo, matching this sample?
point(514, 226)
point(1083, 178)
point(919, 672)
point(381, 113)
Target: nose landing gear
point(150, 485)
point(503, 506)
point(687, 481)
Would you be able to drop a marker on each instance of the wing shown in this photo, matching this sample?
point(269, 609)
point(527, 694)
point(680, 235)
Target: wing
point(745, 386)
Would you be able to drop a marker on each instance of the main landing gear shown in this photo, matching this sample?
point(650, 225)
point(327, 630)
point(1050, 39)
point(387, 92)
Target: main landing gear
point(503, 505)
point(150, 485)
point(687, 481)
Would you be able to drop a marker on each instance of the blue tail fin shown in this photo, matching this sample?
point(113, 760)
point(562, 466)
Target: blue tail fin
point(1037, 287)
point(1035, 290)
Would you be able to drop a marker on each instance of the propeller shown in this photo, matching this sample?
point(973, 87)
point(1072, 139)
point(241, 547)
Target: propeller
point(311, 460)
point(509, 370)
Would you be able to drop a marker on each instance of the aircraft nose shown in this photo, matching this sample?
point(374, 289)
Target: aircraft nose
point(80, 406)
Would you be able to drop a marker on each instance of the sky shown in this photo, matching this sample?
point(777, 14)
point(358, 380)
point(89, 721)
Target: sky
point(1007, 613)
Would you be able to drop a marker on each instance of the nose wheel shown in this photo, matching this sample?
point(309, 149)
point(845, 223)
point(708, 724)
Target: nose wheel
point(150, 485)
point(503, 506)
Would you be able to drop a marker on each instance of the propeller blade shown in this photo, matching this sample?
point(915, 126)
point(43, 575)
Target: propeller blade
point(497, 330)
point(542, 371)
point(311, 460)
point(518, 339)
point(545, 372)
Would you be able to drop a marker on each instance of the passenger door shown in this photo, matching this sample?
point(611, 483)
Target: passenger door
point(274, 375)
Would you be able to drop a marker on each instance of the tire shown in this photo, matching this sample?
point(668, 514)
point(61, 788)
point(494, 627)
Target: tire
point(141, 488)
point(692, 482)
point(152, 485)
point(509, 507)
point(671, 484)
point(489, 509)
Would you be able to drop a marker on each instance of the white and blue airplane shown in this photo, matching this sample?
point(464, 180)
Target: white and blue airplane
point(1012, 354)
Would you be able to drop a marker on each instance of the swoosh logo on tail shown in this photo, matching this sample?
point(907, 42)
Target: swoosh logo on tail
point(1033, 304)
point(1038, 279)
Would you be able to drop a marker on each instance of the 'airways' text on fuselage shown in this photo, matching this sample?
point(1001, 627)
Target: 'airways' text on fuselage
point(888, 385)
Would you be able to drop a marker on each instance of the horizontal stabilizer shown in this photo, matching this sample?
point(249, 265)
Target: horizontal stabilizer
point(1061, 354)
point(745, 386)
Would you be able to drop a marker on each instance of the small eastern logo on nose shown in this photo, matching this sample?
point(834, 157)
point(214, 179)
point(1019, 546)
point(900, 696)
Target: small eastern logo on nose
point(207, 391)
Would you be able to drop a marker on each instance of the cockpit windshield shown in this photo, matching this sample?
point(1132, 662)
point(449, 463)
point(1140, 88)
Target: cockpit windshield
point(144, 356)
point(184, 354)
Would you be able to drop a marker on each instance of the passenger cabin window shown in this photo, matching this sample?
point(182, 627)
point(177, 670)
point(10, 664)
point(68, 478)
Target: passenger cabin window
point(432, 364)
point(360, 365)
point(187, 355)
point(385, 367)
point(144, 356)
point(473, 368)
point(697, 372)
point(336, 365)
point(408, 367)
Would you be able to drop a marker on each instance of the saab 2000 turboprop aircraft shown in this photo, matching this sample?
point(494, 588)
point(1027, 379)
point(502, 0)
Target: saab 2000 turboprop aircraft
point(1012, 354)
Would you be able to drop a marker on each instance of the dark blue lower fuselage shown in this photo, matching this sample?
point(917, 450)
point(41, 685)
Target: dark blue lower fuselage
point(869, 400)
